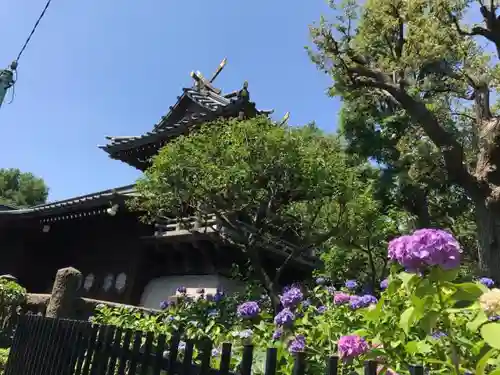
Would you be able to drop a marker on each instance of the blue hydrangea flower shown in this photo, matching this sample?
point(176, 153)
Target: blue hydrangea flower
point(306, 303)
point(164, 305)
point(358, 302)
point(486, 281)
point(320, 281)
point(218, 296)
point(351, 284)
point(284, 317)
point(494, 318)
point(331, 289)
point(291, 297)
point(298, 344)
point(246, 334)
point(182, 346)
point(248, 310)
point(215, 352)
point(182, 290)
point(277, 334)
point(384, 284)
point(438, 334)
point(321, 309)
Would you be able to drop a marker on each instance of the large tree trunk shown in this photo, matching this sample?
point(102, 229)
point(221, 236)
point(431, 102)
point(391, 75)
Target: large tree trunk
point(488, 236)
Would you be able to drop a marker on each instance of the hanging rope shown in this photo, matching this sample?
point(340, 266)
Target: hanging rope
point(15, 62)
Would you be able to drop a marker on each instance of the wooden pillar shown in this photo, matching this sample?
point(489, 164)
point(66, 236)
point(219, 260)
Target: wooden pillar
point(64, 293)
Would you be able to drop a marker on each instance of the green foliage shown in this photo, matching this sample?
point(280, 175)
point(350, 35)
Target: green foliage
point(4, 356)
point(12, 296)
point(268, 185)
point(21, 189)
point(427, 319)
point(404, 73)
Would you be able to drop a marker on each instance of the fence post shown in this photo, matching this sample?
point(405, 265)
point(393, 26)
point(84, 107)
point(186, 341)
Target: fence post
point(64, 293)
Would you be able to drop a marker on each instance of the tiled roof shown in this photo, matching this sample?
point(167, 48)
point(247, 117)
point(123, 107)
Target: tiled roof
point(84, 201)
point(209, 104)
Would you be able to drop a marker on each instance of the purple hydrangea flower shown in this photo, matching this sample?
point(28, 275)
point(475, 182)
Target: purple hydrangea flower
point(331, 289)
point(494, 318)
point(438, 334)
point(215, 352)
point(321, 310)
point(384, 284)
point(351, 284)
point(277, 334)
point(218, 296)
point(486, 281)
point(246, 334)
point(358, 302)
point(164, 305)
point(284, 317)
point(291, 297)
point(424, 248)
point(248, 310)
point(341, 298)
point(297, 345)
point(182, 290)
point(352, 346)
point(306, 303)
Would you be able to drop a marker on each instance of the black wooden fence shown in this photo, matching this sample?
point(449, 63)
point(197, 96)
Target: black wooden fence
point(45, 346)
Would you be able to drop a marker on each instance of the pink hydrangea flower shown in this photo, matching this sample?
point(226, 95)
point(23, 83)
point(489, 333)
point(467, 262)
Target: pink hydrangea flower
point(352, 346)
point(424, 248)
point(341, 298)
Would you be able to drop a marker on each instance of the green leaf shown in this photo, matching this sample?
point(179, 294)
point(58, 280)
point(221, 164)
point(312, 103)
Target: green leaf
point(483, 362)
point(491, 334)
point(407, 319)
point(406, 278)
point(428, 321)
point(438, 274)
point(480, 319)
point(467, 292)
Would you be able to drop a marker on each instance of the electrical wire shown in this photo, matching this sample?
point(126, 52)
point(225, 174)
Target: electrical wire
point(32, 31)
point(13, 65)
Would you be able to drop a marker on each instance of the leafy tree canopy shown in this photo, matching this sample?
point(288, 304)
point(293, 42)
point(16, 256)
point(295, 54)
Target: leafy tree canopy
point(21, 189)
point(268, 185)
point(416, 85)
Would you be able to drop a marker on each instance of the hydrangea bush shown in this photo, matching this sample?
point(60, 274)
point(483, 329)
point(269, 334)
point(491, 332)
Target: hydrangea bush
point(422, 316)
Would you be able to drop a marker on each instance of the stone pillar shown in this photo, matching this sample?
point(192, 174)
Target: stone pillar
point(64, 293)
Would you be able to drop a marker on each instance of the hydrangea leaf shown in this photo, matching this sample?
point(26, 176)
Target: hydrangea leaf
point(407, 319)
point(480, 319)
point(467, 292)
point(491, 334)
point(483, 362)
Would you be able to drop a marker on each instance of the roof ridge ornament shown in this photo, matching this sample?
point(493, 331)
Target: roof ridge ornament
point(202, 83)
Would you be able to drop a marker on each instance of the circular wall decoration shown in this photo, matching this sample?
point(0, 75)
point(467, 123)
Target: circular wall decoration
point(121, 282)
point(108, 282)
point(89, 281)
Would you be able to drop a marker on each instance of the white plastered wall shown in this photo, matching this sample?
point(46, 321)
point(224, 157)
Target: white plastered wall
point(162, 288)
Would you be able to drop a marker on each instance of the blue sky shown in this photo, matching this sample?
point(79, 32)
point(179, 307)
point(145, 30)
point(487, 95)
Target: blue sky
point(102, 67)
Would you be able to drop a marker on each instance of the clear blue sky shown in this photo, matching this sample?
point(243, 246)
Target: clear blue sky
point(100, 67)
